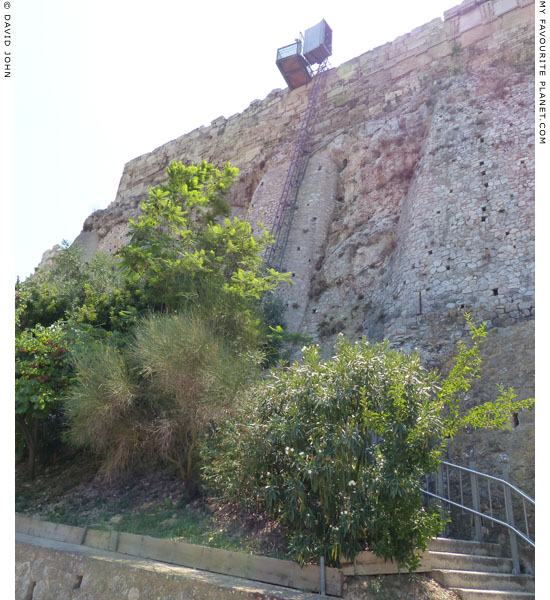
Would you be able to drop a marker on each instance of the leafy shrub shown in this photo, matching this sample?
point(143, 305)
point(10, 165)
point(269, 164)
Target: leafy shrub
point(335, 449)
point(54, 307)
point(279, 340)
point(68, 289)
point(42, 374)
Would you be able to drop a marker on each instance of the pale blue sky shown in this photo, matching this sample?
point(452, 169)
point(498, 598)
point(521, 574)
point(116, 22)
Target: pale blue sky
point(99, 83)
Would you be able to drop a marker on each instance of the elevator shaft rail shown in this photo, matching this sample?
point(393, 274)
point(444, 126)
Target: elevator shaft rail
point(298, 162)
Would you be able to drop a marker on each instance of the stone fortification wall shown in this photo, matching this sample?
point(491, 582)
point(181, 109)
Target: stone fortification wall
point(260, 138)
point(417, 204)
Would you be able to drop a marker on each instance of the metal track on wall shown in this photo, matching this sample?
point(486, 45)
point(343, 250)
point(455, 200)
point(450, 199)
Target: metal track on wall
point(295, 174)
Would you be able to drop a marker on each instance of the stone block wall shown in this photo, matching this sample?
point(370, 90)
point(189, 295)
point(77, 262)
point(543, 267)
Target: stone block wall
point(261, 137)
point(311, 220)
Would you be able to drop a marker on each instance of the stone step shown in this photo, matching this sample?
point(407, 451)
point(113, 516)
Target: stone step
point(478, 580)
point(470, 562)
point(466, 594)
point(465, 547)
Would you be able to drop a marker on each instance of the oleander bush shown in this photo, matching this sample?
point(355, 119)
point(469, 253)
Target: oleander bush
point(335, 449)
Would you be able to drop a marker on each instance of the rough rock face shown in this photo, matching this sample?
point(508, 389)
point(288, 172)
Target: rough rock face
point(417, 204)
point(435, 214)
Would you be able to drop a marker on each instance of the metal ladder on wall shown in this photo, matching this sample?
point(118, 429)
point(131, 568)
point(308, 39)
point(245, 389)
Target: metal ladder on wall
point(298, 162)
point(493, 502)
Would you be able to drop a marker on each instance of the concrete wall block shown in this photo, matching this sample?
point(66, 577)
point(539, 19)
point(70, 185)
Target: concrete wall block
point(48, 570)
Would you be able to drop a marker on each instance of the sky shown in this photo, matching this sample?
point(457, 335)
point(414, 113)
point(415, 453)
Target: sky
point(100, 83)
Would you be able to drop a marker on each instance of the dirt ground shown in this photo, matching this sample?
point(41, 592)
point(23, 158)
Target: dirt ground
point(395, 587)
point(71, 493)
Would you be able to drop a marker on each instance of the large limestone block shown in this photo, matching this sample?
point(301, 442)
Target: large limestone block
point(414, 63)
point(503, 6)
point(89, 241)
point(521, 16)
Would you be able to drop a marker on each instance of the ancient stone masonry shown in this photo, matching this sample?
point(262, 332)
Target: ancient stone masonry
point(417, 204)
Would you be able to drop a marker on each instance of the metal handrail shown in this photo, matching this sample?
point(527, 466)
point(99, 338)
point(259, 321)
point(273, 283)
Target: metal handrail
point(290, 50)
point(476, 497)
point(487, 476)
point(483, 515)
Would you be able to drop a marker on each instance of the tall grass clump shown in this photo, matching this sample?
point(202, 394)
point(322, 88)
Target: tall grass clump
point(151, 400)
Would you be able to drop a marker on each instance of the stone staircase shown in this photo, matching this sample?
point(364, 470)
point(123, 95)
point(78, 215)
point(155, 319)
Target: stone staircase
point(478, 571)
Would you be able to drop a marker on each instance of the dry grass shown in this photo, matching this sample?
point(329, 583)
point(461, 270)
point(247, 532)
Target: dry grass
point(151, 401)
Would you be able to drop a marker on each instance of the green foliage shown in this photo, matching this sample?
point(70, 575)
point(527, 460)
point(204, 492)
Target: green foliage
point(279, 340)
point(451, 391)
point(456, 50)
point(38, 303)
point(179, 258)
point(152, 399)
point(69, 289)
point(153, 394)
point(41, 367)
point(495, 415)
point(335, 449)
point(42, 374)
point(54, 307)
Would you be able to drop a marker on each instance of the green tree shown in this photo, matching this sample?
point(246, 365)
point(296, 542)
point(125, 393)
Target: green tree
point(336, 449)
point(184, 254)
point(42, 374)
point(70, 289)
point(54, 307)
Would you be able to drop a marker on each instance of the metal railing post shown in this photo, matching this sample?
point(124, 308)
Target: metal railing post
point(510, 520)
point(478, 531)
point(440, 490)
point(439, 481)
point(479, 517)
point(322, 569)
